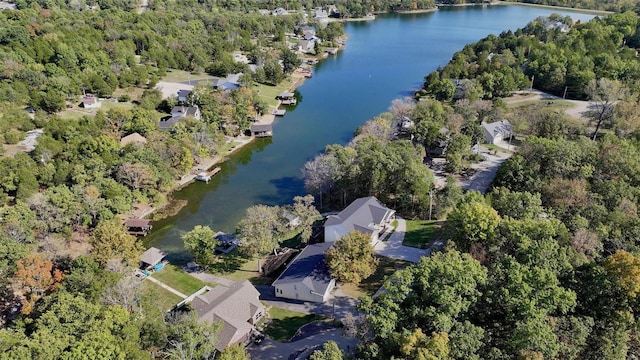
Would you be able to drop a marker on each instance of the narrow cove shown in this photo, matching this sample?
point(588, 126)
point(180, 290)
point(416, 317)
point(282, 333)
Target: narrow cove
point(383, 60)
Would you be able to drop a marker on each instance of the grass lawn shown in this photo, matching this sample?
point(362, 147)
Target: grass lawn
point(421, 233)
point(159, 297)
point(285, 323)
point(179, 279)
point(496, 148)
point(234, 266)
point(174, 75)
point(370, 285)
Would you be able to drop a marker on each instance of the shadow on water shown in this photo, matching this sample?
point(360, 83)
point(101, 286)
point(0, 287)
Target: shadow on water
point(286, 189)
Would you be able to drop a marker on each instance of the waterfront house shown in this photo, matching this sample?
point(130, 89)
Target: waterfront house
point(497, 132)
point(307, 277)
point(151, 258)
point(261, 130)
point(366, 215)
point(306, 46)
point(237, 307)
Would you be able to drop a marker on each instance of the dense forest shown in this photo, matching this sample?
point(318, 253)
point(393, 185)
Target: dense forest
point(546, 264)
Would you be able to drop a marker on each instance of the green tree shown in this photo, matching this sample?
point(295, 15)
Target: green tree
point(352, 258)
point(201, 244)
point(473, 221)
point(329, 351)
point(234, 352)
point(111, 241)
point(189, 338)
point(259, 230)
point(307, 213)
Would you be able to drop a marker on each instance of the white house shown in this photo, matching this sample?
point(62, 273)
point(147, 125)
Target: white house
point(366, 215)
point(496, 132)
point(307, 276)
point(91, 102)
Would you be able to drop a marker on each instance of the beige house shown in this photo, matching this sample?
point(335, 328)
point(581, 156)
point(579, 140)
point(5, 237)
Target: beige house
point(238, 308)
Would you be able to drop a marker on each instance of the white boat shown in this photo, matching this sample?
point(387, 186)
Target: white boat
point(203, 176)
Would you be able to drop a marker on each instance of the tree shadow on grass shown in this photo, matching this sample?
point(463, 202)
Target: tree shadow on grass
point(228, 263)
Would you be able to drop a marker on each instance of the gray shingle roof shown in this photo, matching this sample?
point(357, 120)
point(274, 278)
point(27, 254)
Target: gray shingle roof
point(152, 256)
point(361, 214)
point(235, 306)
point(309, 268)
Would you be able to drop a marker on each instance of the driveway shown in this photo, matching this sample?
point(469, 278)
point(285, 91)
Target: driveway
point(273, 350)
point(485, 172)
point(394, 249)
point(338, 305)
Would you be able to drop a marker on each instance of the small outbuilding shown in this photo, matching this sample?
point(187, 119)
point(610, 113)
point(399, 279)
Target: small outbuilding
point(91, 102)
point(262, 130)
point(138, 226)
point(134, 138)
point(226, 242)
point(152, 258)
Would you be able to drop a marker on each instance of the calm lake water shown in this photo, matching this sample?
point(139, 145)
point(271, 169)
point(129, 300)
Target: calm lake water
point(384, 59)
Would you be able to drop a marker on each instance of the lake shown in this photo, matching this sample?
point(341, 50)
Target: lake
point(384, 59)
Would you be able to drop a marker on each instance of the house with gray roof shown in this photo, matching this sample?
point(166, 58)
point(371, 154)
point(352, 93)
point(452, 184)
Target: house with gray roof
point(307, 277)
point(497, 132)
point(238, 308)
point(178, 113)
point(366, 215)
point(230, 82)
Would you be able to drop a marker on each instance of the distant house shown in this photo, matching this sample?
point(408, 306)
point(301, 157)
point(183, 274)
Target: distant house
point(238, 308)
point(134, 138)
point(287, 98)
point(366, 215)
point(183, 96)
point(151, 258)
point(405, 125)
point(230, 82)
point(439, 147)
point(279, 12)
point(497, 132)
point(320, 14)
point(91, 102)
point(264, 12)
point(261, 130)
point(292, 219)
point(306, 46)
point(178, 113)
point(307, 276)
point(461, 88)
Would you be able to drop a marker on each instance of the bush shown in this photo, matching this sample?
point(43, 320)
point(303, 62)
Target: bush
point(13, 136)
point(124, 98)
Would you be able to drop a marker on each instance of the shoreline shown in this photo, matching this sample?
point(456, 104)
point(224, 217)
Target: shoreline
point(564, 8)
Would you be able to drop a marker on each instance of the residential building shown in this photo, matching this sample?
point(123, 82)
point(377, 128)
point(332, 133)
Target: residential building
point(238, 308)
point(366, 215)
point(307, 277)
point(497, 132)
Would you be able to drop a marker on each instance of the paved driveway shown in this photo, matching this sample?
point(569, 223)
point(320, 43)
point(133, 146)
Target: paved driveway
point(394, 249)
point(273, 350)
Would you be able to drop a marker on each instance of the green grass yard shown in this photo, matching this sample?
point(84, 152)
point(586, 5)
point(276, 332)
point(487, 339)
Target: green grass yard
point(159, 297)
point(179, 280)
point(421, 233)
point(386, 267)
point(285, 323)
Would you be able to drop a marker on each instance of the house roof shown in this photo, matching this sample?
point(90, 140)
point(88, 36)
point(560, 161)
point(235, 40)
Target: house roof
point(286, 94)
point(362, 214)
point(184, 93)
point(235, 306)
point(152, 256)
point(137, 222)
point(308, 268)
point(89, 100)
point(179, 111)
point(133, 138)
point(261, 128)
point(499, 127)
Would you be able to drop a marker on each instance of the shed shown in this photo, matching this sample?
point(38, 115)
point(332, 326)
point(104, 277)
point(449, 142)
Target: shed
point(152, 258)
point(134, 138)
point(138, 226)
point(262, 130)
